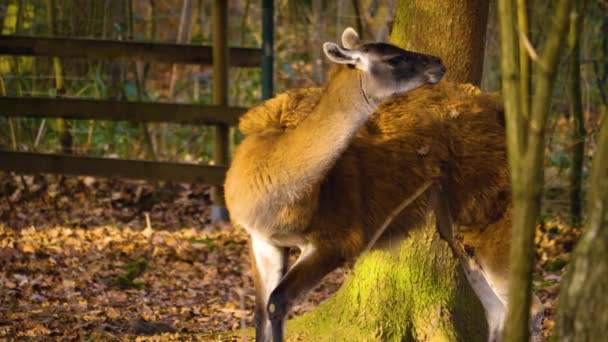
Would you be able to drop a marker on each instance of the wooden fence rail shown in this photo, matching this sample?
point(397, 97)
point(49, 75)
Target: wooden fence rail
point(116, 110)
point(33, 163)
point(111, 49)
point(219, 114)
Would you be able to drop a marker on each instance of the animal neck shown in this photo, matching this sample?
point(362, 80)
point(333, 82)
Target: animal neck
point(314, 145)
point(345, 94)
point(342, 109)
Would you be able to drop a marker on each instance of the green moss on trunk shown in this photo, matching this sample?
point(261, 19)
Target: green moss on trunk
point(415, 291)
point(454, 30)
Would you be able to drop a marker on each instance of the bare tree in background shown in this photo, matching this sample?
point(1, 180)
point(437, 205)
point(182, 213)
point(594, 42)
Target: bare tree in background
point(526, 142)
point(582, 314)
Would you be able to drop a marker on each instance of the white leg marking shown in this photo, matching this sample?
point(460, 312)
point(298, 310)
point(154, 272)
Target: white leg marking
point(269, 262)
point(305, 252)
point(536, 311)
point(494, 307)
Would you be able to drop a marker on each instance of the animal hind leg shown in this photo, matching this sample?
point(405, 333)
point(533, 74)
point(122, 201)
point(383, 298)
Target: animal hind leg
point(493, 306)
point(490, 248)
point(269, 264)
point(499, 284)
point(312, 265)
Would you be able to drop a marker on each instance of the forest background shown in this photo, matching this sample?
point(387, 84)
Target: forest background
point(47, 216)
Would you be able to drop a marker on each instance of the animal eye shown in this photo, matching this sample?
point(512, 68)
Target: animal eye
point(395, 61)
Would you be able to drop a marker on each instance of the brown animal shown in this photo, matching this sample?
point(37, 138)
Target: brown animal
point(322, 169)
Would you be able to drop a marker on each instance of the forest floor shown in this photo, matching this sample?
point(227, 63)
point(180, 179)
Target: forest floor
point(90, 259)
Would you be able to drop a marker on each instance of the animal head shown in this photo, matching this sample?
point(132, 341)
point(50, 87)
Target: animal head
point(385, 69)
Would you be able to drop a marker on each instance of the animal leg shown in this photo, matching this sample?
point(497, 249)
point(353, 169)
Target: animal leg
point(499, 285)
point(493, 306)
point(312, 265)
point(269, 264)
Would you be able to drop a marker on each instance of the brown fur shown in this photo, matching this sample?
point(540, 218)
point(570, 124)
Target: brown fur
point(447, 132)
point(321, 169)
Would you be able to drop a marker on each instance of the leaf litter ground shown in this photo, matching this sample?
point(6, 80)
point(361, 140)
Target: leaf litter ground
point(91, 259)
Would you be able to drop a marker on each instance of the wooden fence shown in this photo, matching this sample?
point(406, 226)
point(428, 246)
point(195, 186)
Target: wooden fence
point(112, 49)
point(221, 115)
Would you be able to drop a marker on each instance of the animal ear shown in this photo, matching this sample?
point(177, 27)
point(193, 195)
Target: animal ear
point(350, 38)
point(339, 55)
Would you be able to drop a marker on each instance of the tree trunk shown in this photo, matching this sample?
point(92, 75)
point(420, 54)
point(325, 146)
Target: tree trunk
point(582, 314)
point(576, 111)
point(416, 291)
point(454, 30)
point(525, 137)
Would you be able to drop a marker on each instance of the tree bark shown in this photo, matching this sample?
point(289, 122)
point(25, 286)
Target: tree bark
point(525, 137)
point(416, 291)
point(413, 292)
point(524, 60)
point(576, 111)
point(582, 314)
point(454, 30)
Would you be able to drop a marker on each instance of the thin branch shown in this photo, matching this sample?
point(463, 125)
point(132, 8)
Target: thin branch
point(510, 85)
point(527, 187)
point(41, 130)
point(525, 49)
point(601, 82)
point(391, 217)
point(549, 60)
point(525, 42)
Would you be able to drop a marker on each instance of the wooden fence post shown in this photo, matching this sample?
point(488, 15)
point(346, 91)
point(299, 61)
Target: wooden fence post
point(220, 114)
point(220, 97)
point(267, 47)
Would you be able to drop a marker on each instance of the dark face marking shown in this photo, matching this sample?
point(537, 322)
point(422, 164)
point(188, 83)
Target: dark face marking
point(385, 68)
point(402, 63)
point(393, 70)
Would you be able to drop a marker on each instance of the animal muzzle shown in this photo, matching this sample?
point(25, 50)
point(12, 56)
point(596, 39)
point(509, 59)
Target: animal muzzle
point(435, 71)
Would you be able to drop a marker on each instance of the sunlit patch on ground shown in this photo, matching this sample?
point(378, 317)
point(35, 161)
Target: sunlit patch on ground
point(63, 280)
point(554, 242)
